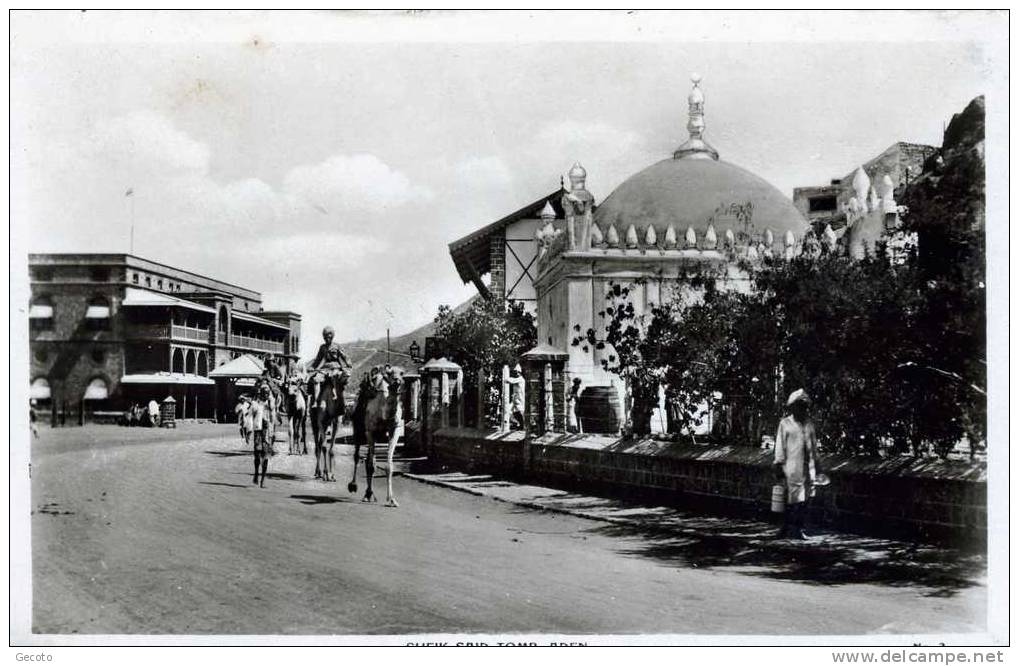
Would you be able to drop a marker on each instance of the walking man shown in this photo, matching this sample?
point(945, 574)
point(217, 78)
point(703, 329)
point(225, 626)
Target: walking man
point(795, 462)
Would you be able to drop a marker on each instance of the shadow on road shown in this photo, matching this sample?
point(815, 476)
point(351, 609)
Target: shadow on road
point(221, 483)
point(320, 499)
point(829, 561)
point(229, 454)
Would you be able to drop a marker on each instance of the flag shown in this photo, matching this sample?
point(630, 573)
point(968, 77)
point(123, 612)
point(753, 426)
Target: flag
point(130, 191)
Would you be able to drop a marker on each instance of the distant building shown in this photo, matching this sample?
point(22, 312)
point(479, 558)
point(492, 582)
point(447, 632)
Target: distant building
point(107, 330)
point(859, 208)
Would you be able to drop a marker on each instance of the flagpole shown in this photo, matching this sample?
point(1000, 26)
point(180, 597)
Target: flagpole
point(130, 195)
point(132, 223)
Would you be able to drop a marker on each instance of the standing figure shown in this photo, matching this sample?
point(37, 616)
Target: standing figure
point(795, 462)
point(243, 411)
point(572, 399)
point(578, 205)
point(516, 383)
point(32, 418)
point(262, 431)
point(153, 414)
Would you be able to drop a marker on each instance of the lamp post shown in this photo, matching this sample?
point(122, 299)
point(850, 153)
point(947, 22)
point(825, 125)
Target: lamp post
point(415, 351)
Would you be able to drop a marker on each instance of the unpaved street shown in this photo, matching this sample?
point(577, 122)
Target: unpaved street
point(143, 531)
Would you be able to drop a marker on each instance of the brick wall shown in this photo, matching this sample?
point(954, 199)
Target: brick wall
point(497, 266)
point(903, 498)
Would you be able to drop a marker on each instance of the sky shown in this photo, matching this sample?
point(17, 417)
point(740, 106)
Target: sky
point(327, 160)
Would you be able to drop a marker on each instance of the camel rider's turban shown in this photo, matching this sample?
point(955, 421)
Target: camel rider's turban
point(799, 395)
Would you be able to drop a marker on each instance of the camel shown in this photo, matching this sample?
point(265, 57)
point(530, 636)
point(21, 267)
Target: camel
point(297, 416)
point(378, 415)
point(326, 414)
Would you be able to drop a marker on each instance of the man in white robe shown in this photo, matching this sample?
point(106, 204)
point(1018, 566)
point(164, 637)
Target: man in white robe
point(795, 462)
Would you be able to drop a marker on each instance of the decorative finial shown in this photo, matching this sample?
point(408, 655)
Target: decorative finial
point(695, 147)
point(548, 213)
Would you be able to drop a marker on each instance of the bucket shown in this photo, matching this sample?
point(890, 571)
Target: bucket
point(778, 498)
point(599, 410)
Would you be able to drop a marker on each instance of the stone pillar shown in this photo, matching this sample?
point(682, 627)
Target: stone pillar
point(460, 400)
point(480, 423)
point(504, 397)
point(545, 370)
point(439, 376)
point(414, 388)
point(444, 390)
point(549, 397)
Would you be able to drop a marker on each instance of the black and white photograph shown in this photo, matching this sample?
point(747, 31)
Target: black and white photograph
point(510, 328)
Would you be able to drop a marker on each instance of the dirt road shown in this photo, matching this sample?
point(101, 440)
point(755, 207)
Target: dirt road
point(141, 531)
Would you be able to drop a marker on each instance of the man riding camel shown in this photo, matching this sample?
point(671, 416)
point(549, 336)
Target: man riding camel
point(330, 361)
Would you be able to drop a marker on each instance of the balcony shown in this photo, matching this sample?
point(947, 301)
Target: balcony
point(178, 332)
point(221, 338)
point(173, 332)
point(244, 342)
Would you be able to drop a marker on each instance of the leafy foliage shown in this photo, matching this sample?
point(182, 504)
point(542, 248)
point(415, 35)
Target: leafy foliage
point(488, 335)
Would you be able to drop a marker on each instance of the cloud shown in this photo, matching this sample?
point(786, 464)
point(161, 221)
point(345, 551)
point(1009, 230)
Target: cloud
point(148, 142)
point(361, 182)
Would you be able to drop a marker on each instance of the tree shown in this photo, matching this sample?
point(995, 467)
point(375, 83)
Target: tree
point(487, 335)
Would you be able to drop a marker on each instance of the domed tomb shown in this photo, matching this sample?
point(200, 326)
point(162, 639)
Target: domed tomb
point(696, 193)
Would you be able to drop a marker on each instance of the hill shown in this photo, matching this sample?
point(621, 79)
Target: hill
point(364, 354)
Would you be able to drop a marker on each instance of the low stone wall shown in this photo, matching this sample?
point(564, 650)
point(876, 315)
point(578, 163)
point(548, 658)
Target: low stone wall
point(926, 499)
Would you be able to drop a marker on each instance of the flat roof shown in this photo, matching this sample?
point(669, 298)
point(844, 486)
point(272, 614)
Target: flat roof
point(96, 258)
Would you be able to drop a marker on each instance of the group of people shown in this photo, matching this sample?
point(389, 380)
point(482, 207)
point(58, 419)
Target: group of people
point(142, 415)
point(254, 413)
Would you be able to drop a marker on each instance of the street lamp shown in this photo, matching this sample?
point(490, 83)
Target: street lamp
point(415, 351)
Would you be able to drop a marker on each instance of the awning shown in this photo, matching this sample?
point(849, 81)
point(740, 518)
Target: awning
point(40, 390)
point(243, 316)
point(245, 365)
point(97, 312)
point(38, 311)
point(167, 378)
point(135, 297)
point(97, 390)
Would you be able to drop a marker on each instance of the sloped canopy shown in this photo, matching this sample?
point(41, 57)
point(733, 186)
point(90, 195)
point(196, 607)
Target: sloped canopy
point(167, 378)
point(471, 253)
point(142, 297)
point(40, 389)
point(242, 366)
point(97, 390)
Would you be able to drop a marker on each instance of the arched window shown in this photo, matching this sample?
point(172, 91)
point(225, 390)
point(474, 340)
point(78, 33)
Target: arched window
point(40, 389)
point(223, 317)
point(178, 361)
point(189, 367)
point(97, 389)
point(203, 364)
point(97, 315)
point(40, 313)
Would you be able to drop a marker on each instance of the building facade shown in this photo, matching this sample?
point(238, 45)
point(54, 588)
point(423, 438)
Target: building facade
point(108, 330)
point(662, 234)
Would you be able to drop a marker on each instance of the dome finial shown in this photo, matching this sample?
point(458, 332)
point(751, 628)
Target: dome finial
point(695, 147)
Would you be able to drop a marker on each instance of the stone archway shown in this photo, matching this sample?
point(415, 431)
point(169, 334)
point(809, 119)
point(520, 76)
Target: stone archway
point(189, 362)
point(203, 364)
point(177, 362)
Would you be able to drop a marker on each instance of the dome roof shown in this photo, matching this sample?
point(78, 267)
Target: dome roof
point(697, 193)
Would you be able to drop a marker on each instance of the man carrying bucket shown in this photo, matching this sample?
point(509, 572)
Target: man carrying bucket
point(795, 462)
